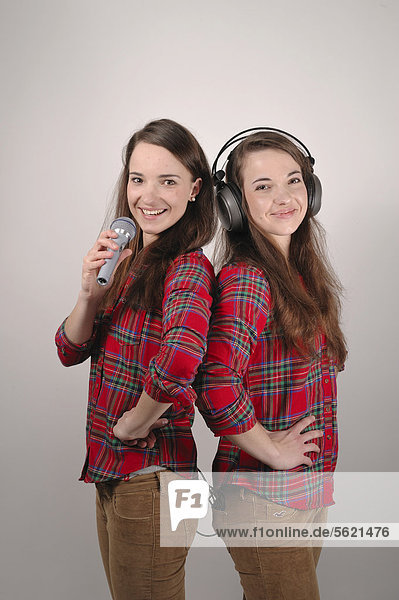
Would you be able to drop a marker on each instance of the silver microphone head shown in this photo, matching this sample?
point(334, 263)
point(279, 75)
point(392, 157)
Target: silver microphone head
point(125, 226)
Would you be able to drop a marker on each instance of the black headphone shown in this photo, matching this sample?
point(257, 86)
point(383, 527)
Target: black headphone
point(228, 195)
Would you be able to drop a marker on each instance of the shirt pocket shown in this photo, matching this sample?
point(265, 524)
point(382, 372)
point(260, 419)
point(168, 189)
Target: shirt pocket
point(122, 368)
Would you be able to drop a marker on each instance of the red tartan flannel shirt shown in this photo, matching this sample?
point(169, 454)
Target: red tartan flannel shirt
point(248, 375)
point(132, 350)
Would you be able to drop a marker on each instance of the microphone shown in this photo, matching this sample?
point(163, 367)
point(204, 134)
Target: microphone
point(126, 230)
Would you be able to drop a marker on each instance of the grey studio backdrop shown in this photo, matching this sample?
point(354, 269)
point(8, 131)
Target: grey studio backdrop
point(77, 78)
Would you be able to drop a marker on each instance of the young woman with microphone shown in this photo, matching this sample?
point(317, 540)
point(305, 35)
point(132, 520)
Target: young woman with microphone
point(267, 385)
point(145, 333)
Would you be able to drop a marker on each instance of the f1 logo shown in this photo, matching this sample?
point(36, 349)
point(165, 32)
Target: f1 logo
point(188, 499)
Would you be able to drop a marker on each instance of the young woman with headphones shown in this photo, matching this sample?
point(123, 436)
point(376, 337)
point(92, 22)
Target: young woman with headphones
point(267, 385)
point(145, 333)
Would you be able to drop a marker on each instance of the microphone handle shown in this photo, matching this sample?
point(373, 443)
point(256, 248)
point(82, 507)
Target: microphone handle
point(107, 269)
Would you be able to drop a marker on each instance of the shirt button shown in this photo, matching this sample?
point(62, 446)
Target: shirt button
point(329, 437)
point(327, 408)
point(326, 380)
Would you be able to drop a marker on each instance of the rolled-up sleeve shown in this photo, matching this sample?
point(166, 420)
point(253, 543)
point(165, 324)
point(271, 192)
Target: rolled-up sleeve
point(241, 313)
point(186, 311)
point(73, 354)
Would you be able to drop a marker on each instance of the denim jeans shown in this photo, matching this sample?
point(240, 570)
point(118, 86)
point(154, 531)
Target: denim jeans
point(268, 572)
point(128, 526)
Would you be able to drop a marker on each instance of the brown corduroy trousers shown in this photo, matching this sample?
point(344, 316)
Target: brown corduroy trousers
point(128, 526)
point(284, 572)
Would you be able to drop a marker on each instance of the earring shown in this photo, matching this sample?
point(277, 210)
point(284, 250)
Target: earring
point(192, 199)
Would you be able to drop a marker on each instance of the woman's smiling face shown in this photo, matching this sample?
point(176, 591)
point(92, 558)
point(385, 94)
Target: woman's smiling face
point(276, 194)
point(158, 190)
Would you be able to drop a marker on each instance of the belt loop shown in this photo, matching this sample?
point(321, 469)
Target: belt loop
point(104, 490)
point(242, 493)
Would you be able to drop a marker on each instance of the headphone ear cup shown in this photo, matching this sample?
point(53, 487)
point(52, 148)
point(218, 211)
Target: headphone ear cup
point(314, 195)
point(228, 199)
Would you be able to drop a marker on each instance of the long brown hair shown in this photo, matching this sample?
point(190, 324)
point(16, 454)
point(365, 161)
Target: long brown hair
point(305, 290)
point(195, 229)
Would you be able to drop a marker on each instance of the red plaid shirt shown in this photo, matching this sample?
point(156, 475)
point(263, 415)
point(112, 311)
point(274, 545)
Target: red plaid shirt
point(132, 350)
point(248, 375)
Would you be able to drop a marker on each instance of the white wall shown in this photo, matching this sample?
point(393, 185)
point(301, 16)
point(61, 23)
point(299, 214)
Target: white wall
point(77, 78)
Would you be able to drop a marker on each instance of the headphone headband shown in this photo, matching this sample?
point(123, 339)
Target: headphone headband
point(247, 132)
point(228, 195)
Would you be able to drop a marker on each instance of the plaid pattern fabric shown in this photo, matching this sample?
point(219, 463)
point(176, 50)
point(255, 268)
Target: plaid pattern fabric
point(132, 350)
point(248, 375)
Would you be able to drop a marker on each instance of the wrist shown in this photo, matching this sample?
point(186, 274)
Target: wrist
point(133, 428)
point(272, 453)
point(88, 301)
